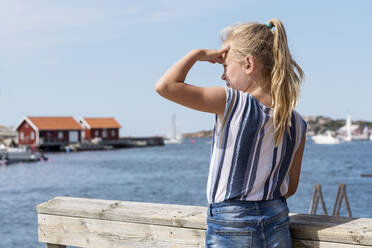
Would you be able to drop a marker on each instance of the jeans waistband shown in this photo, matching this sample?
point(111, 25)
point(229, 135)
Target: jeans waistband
point(259, 204)
point(247, 203)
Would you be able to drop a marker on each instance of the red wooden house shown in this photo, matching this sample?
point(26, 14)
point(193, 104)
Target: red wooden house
point(104, 128)
point(48, 131)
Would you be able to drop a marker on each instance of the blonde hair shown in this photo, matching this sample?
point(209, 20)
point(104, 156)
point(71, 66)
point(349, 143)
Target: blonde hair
point(270, 49)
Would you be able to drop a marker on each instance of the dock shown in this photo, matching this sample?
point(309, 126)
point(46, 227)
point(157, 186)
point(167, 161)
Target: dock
point(123, 142)
point(128, 142)
point(81, 222)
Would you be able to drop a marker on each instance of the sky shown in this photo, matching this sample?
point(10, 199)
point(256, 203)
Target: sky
point(103, 58)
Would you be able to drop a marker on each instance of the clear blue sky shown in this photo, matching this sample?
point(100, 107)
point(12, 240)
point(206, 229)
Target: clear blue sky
point(102, 58)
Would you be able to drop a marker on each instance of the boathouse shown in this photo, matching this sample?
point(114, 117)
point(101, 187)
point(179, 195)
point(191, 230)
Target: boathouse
point(48, 131)
point(104, 128)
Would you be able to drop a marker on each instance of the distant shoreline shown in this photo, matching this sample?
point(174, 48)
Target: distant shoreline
point(315, 125)
point(199, 134)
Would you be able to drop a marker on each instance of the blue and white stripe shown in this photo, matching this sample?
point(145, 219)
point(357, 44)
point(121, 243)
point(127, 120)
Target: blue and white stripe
point(245, 164)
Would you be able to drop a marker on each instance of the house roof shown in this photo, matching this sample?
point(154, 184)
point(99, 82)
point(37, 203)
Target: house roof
point(54, 123)
point(101, 122)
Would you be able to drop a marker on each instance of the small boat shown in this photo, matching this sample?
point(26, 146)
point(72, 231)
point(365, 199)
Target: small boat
point(326, 138)
point(174, 135)
point(364, 135)
point(370, 137)
point(21, 154)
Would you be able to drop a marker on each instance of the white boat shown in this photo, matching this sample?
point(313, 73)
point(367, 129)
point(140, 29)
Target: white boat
point(174, 135)
point(326, 138)
point(370, 137)
point(21, 154)
point(362, 136)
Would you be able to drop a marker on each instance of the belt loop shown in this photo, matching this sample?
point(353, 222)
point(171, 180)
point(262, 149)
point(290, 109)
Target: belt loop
point(210, 209)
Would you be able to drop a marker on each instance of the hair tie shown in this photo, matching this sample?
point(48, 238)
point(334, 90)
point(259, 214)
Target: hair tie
point(269, 25)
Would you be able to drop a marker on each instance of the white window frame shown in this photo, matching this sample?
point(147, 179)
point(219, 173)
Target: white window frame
point(113, 132)
point(60, 135)
point(104, 133)
point(32, 135)
point(96, 133)
point(22, 135)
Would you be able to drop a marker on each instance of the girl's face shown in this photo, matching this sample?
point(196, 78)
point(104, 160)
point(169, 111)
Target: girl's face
point(234, 74)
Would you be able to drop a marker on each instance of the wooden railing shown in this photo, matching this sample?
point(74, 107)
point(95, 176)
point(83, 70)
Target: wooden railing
point(93, 223)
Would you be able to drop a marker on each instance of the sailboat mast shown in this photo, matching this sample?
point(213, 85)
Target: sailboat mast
point(348, 128)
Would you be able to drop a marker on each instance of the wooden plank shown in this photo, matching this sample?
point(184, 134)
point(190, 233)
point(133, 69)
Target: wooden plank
point(356, 231)
point(347, 230)
point(321, 244)
point(104, 234)
point(54, 246)
point(135, 212)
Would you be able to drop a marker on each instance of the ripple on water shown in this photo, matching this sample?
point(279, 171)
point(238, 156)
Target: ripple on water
point(172, 174)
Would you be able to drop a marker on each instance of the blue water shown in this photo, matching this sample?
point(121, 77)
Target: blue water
point(174, 174)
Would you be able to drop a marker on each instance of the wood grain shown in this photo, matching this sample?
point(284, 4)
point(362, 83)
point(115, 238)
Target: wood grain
point(103, 223)
point(82, 232)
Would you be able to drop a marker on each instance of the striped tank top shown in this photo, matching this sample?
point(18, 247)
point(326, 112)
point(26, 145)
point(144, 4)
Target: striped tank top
point(244, 163)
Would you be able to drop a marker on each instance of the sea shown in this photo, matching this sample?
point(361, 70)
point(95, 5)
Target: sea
point(174, 174)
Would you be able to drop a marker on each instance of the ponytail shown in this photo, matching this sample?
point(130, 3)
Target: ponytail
point(285, 82)
point(271, 50)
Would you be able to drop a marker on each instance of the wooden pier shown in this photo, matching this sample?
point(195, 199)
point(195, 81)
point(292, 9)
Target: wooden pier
point(80, 222)
point(127, 142)
point(123, 142)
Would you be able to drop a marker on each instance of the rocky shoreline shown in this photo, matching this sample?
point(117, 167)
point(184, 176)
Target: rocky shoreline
point(320, 124)
point(316, 125)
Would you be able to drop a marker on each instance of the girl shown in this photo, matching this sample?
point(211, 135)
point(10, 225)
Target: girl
point(258, 138)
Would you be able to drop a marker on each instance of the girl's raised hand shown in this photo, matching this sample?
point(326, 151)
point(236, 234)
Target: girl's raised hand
point(173, 87)
point(213, 55)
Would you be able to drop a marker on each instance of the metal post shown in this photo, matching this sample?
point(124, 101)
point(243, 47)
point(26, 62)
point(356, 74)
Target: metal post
point(341, 194)
point(315, 200)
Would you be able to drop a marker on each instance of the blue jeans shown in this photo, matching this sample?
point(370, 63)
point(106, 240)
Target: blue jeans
point(239, 224)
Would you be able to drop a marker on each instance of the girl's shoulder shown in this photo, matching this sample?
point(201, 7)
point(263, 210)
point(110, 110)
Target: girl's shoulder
point(300, 118)
point(300, 127)
point(240, 95)
point(240, 99)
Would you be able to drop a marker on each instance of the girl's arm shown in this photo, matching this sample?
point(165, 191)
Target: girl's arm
point(172, 86)
point(294, 174)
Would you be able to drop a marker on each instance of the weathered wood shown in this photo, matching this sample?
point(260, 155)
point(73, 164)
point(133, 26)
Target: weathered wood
point(82, 232)
point(135, 212)
point(296, 243)
point(54, 246)
point(102, 223)
point(331, 229)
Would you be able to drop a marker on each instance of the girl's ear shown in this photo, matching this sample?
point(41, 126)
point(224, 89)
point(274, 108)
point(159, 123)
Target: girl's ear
point(249, 64)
